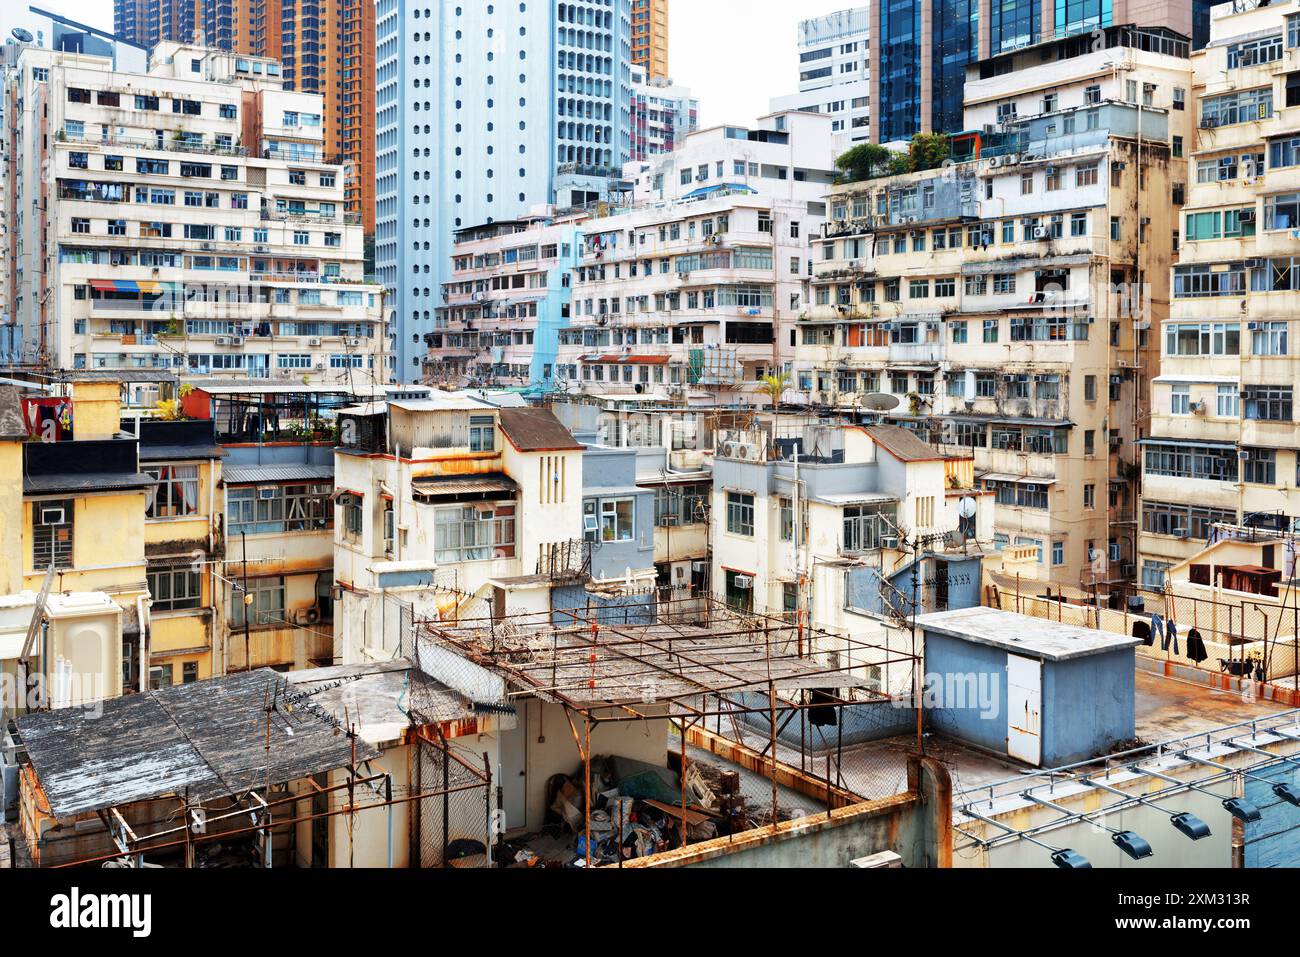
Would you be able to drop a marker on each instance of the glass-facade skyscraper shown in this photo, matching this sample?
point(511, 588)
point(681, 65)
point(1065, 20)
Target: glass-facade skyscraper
point(486, 110)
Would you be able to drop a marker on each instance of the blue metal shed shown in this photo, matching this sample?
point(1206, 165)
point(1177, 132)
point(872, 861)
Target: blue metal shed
point(1038, 691)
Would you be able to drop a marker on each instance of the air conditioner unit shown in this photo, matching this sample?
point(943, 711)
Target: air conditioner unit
point(53, 515)
point(699, 567)
point(1246, 216)
point(308, 616)
point(1040, 232)
point(995, 162)
point(1198, 408)
point(1011, 159)
point(320, 366)
point(352, 343)
point(261, 249)
point(207, 245)
point(729, 450)
point(223, 340)
point(313, 341)
point(743, 582)
point(236, 340)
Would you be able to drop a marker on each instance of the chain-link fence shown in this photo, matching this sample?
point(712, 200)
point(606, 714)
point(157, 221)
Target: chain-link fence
point(1234, 637)
point(451, 824)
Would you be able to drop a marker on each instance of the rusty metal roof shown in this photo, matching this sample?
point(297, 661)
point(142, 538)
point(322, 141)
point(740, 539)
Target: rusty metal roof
point(457, 486)
point(208, 736)
point(902, 444)
point(537, 430)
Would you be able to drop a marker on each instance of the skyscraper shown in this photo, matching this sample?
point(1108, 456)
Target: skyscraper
point(650, 36)
point(483, 112)
point(327, 47)
point(893, 68)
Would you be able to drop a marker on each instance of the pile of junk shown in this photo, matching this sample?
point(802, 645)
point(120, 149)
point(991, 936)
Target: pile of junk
point(636, 811)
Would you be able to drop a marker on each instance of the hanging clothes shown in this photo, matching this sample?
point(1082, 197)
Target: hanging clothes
point(1171, 635)
point(1196, 647)
point(1158, 628)
point(1142, 630)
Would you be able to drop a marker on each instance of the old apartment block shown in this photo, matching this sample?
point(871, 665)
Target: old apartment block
point(185, 218)
point(1005, 302)
point(691, 294)
point(1222, 445)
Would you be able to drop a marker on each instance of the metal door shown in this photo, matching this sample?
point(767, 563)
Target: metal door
point(1024, 708)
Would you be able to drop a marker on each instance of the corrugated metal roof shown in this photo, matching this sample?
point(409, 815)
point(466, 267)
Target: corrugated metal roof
point(464, 485)
point(251, 474)
point(537, 430)
point(208, 736)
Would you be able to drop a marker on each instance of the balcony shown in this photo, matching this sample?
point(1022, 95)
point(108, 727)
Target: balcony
point(153, 145)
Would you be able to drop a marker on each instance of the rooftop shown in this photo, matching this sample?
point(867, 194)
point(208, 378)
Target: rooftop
point(1049, 640)
point(212, 738)
point(903, 444)
point(537, 430)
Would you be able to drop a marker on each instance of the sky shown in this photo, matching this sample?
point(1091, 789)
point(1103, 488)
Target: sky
point(735, 55)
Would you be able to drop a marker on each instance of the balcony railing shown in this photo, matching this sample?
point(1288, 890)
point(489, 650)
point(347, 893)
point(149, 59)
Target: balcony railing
point(165, 146)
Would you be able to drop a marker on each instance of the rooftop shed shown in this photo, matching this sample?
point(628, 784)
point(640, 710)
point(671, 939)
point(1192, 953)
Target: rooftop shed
point(1039, 691)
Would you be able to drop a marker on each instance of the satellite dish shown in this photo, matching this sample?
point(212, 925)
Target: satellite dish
point(21, 35)
point(966, 507)
point(880, 402)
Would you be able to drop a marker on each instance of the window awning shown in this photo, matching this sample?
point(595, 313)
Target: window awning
point(146, 287)
point(460, 487)
point(1189, 443)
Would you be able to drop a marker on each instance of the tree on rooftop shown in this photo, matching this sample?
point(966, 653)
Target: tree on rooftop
point(928, 151)
point(870, 160)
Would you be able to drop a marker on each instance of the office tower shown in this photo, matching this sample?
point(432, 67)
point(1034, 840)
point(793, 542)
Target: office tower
point(650, 37)
point(914, 53)
point(485, 111)
point(1009, 302)
point(1221, 452)
point(327, 47)
point(183, 218)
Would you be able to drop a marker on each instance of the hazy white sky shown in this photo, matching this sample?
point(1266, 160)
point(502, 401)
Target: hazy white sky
point(734, 54)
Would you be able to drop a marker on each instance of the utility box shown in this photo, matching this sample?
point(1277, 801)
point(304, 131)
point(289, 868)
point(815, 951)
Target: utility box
point(1037, 691)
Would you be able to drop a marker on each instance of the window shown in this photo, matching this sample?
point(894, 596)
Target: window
point(867, 527)
point(1180, 397)
point(1242, 106)
point(1226, 404)
point(1259, 466)
point(1268, 403)
point(1090, 496)
point(1058, 553)
point(1268, 338)
point(482, 433)
point(617, 519)
point(175, 491)
point(991, 330)
point(1153, 575)
point(474, 532)
point(261, 604)
point(1213, 463)
point(174, 587)
point(740, 514)
point(1202, 338)
point(275, 509)
point(52, 534)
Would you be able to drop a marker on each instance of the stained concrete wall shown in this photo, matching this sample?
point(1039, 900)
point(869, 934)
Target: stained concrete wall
point(916, 825)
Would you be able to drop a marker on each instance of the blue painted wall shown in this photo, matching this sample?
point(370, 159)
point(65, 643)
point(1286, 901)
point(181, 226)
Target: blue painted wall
point(1087, 703)
point(946, 656)
point(861, 723)
point(609, 610)
point(611, 473)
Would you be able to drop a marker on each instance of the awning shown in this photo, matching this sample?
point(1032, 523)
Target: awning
point(494, 485)
point(1017, 479)
point(147, 287)
point(710, 190)
point(346, 493)
point(627, 359)
point(1189, 443)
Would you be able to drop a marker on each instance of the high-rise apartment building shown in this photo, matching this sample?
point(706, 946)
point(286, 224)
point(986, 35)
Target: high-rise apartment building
point(692, 295)
point(1221, 449)
point(662, 115)
point(1006, 303)
point(835, 72)
point(326, 47)
point(185, 218)
point(893, 68)
point(485, 111)
point(650, 37)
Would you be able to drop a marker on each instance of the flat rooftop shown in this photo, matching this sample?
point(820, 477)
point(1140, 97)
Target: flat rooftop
point(1022, 634)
